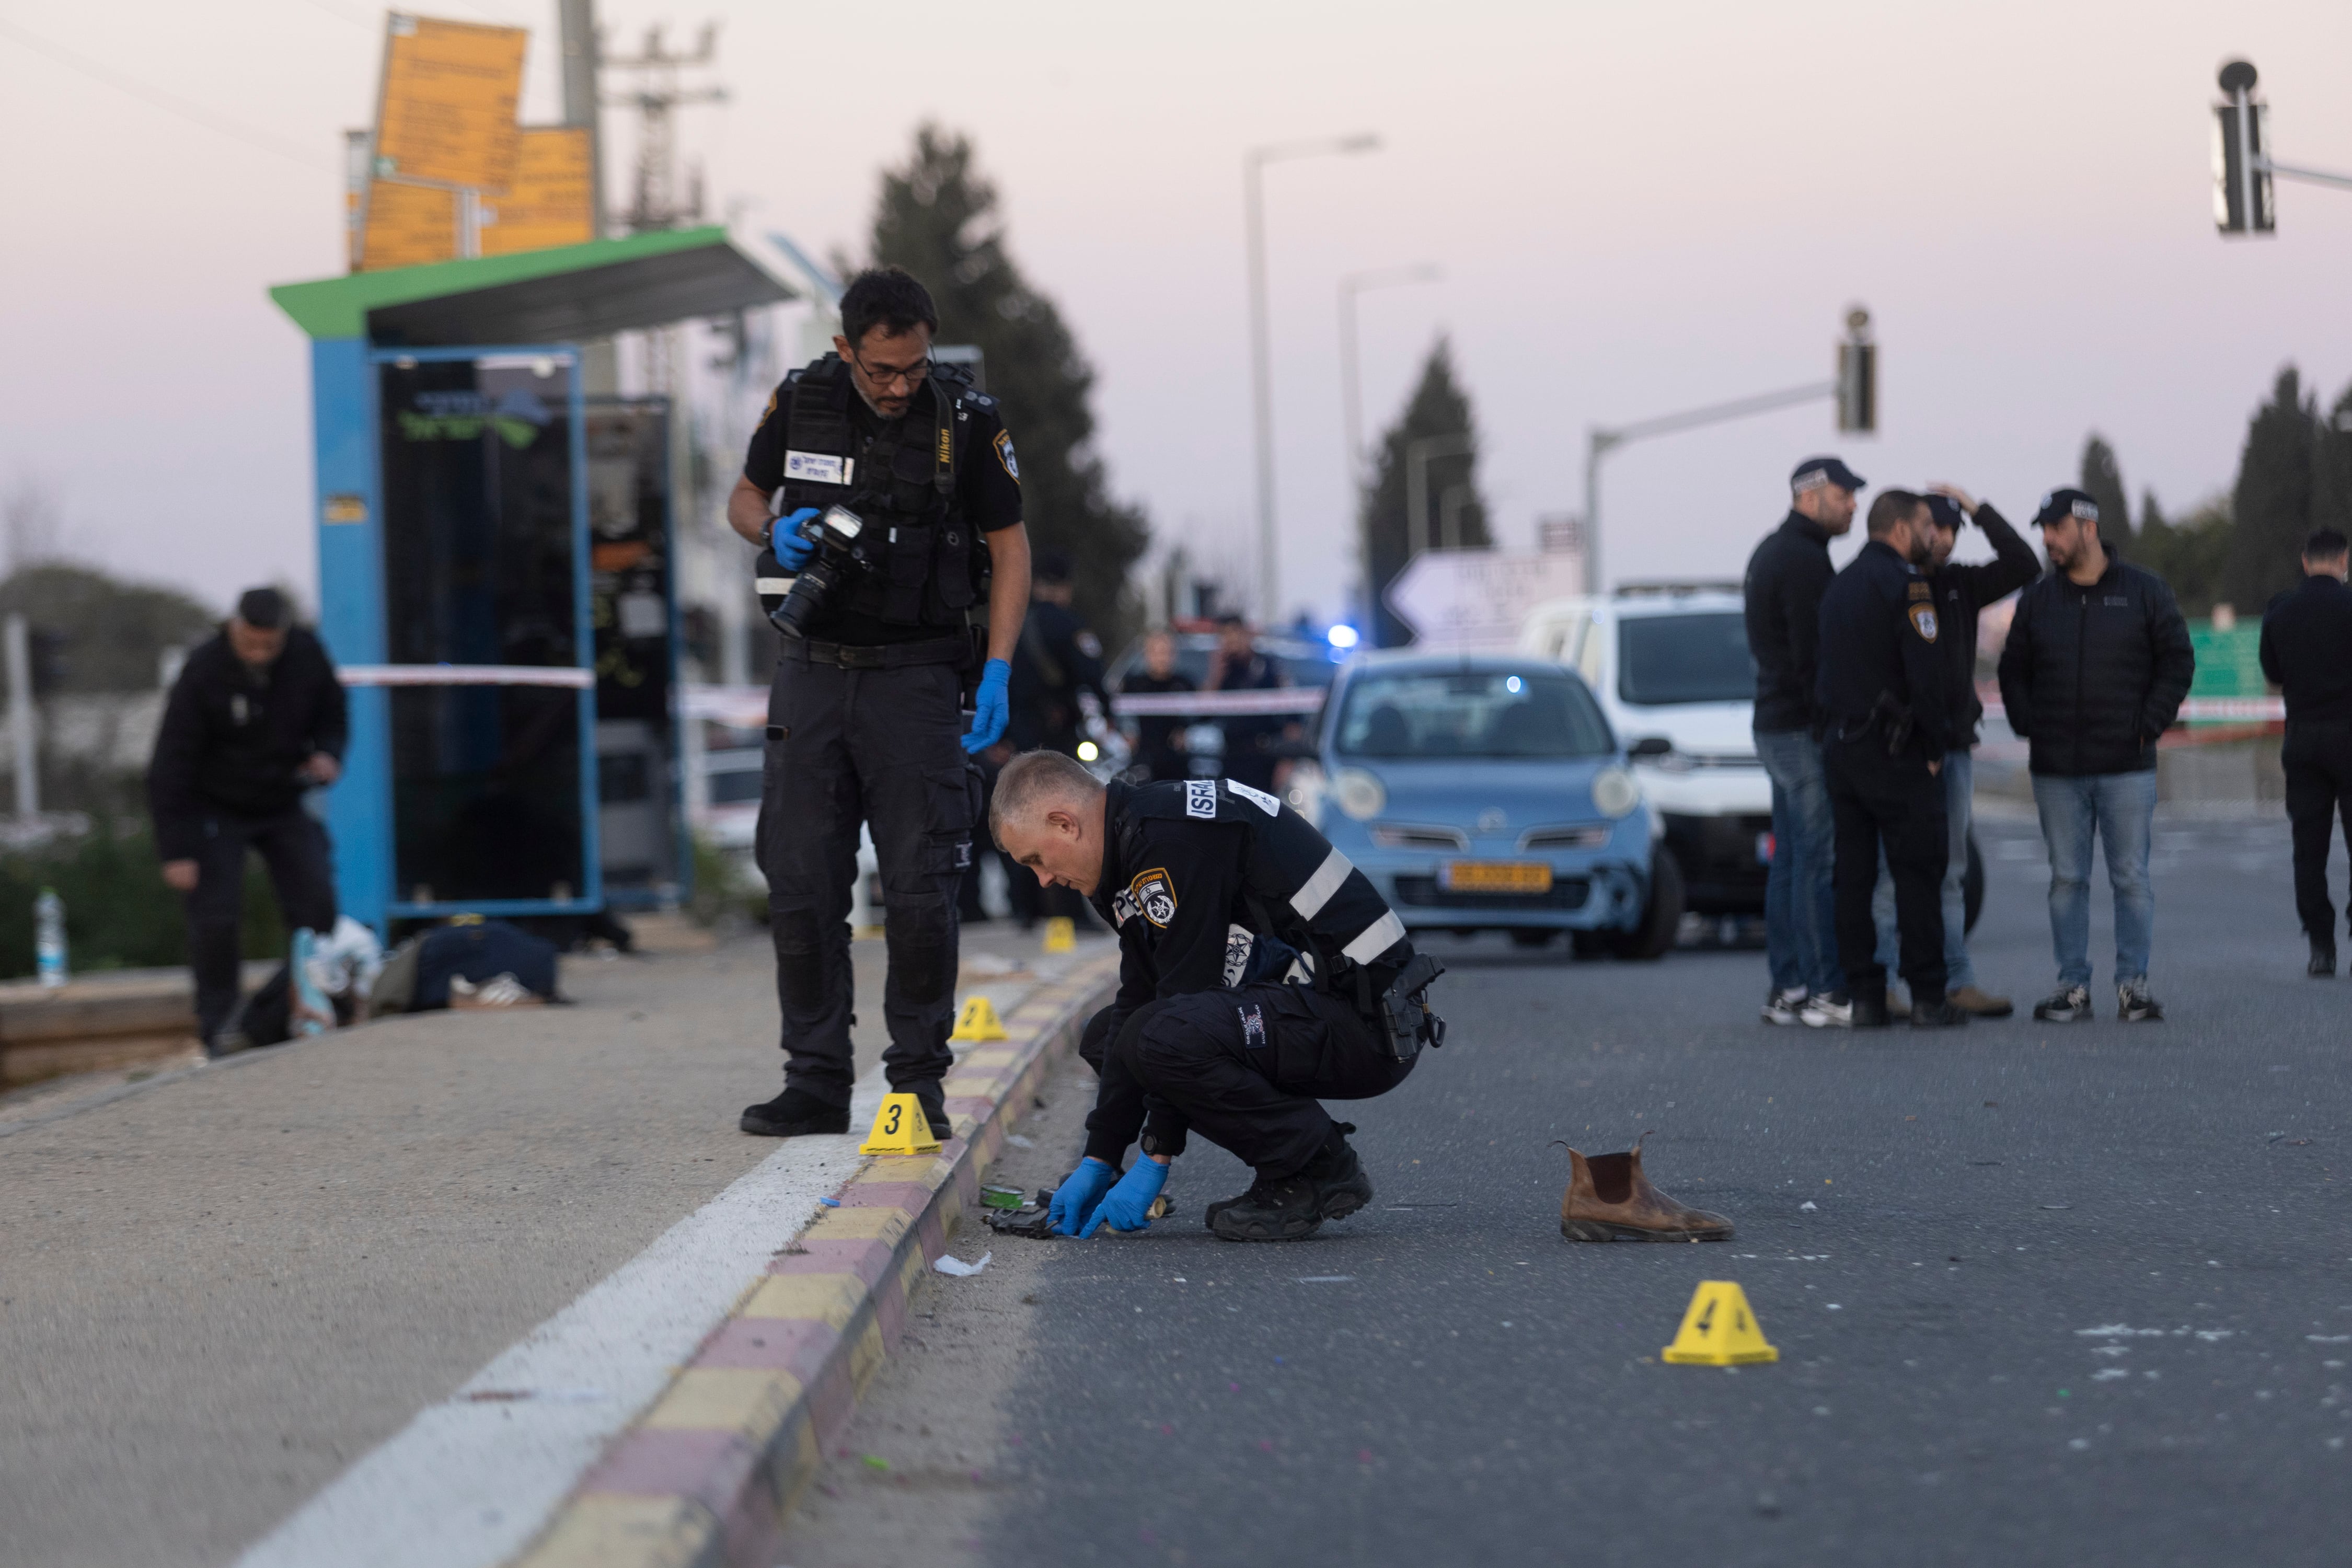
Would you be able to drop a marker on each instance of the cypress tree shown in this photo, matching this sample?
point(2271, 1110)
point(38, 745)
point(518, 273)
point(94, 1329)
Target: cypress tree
point(1438, 407)
point(937, 217)
point(2272, 504)
point(2331, 469)
point(2102, 478)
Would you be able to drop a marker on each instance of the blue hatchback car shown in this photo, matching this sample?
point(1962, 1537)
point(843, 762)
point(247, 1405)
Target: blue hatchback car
point(1485, 792)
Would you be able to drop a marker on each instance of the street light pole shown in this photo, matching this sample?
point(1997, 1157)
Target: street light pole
point(1351, 389)
point(1253, 163)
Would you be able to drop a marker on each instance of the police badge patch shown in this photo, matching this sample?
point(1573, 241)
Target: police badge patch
point(1239, 944)
point(1923, 618)
point(1201, 797)
point(1005, 455)
point(1155, 896)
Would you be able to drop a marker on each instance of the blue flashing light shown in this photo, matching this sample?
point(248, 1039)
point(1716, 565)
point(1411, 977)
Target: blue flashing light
point(1513, 684)
point(1342, 636)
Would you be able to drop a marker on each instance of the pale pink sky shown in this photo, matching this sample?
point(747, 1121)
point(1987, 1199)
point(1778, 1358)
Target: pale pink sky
point(1638, 208)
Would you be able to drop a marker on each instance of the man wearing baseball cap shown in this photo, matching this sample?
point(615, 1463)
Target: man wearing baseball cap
point(2094, 669)
point(1786, 579)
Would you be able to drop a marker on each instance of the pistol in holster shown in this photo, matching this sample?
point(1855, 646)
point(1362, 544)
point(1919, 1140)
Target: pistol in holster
point(1406, 1022)
point(1894, 718)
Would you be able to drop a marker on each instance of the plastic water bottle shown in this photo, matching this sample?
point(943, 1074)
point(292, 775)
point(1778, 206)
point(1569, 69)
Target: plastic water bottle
point(49, 937)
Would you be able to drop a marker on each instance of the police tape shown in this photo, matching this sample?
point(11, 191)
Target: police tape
point(1211, 704)
point(467, 675)
point(2204, 710)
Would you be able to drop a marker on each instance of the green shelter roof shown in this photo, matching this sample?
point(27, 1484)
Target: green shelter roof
point(563, 295)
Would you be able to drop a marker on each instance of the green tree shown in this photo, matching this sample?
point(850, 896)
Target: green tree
point(2102, 478)
point(2271, 502)
point(109, 635)
point(2189, 555)
point(1457, 514)
point(937, 217)
point(2331, 469)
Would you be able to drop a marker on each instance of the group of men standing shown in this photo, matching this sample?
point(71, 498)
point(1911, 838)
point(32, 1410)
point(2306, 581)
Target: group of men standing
point(1867, 716)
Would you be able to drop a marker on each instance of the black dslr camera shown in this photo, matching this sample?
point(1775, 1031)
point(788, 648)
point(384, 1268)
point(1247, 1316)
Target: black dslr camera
point(836, 534)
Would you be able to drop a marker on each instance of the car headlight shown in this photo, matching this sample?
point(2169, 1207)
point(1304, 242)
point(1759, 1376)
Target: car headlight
point(1303, 791)
point(1614, 792)
point(1359, 794)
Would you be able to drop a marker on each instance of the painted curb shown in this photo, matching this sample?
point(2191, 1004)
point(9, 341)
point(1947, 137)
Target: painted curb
point(707, 1476)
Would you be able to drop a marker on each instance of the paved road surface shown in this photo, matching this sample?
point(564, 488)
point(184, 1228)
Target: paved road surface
point(2042, 1294)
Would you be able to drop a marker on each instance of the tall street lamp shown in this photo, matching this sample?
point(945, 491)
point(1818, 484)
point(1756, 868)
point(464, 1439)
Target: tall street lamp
point(1253, 163)
point(1351, 390)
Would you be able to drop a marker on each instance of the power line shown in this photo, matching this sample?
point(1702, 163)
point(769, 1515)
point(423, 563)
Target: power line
point(171, 104)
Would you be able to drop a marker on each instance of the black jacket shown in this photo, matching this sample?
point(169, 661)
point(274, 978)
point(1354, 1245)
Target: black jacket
point(1786, 579)
point(1212, 885)
point(1881, 638)
point(2093, 676)
point(2307, 649)
point(1055, 660)
point(1961, 595)
point(232, 743)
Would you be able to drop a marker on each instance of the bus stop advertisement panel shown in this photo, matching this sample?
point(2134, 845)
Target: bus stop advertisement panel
point(488, 713)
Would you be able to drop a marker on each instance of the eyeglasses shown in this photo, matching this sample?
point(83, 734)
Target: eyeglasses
point(890, 374)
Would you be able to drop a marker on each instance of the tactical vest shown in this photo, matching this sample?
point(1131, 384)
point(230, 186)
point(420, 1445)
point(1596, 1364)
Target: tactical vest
point(921, 563)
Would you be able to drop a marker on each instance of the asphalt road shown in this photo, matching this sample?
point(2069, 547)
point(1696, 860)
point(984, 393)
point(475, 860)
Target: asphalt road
point(2042, 1294)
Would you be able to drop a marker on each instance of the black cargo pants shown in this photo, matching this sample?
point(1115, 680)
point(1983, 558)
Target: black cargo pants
point(1874, 799)
point(882, 747)
point(1247, 1067)
point(2317, 757)
point(293, 845)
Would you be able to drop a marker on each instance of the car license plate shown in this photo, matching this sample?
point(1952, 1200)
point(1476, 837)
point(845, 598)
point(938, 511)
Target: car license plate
point(1496, 877)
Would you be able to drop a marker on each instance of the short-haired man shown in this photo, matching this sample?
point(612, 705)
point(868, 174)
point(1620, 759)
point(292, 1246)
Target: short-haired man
point(865, 718)
point(1962, 592)
point(1885, 689)
point(2097, 664)
point(1218, 892)
point(256, 719)
point(1786, 578)
point(1159, 737)
point(2306, 651)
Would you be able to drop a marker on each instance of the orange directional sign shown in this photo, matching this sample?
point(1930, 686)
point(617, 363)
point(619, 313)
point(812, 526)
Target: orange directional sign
point(549, 202)
point(407, 225)
point(447, 113)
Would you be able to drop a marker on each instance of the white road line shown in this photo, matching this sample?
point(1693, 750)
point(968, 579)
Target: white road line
point(468, 1481)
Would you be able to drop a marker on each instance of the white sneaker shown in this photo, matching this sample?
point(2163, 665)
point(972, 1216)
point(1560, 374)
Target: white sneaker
point(1828, 1010)
point(1782, 1007)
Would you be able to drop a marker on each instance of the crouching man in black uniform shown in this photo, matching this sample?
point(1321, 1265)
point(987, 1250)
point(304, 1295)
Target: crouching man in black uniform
point(1259, 974)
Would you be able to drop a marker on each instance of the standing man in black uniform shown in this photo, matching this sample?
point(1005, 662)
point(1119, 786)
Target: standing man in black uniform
point(1884, 689)
point(1159, 737)
point(865, 719)
point(1237, 666)
point(1058, 659)
point(2306, 651)
point(1219, 891)
point(256, 719)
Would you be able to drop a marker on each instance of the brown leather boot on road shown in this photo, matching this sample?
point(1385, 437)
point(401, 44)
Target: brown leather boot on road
point(1609, 1199)
point(1968, 999)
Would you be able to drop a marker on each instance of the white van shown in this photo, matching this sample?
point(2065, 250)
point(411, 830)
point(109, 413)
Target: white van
point(1670, 665)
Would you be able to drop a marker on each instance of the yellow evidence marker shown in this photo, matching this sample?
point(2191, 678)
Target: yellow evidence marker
point(1719, 1330)
point(902, 1128)
point(1061, 935)
point(978, 1022)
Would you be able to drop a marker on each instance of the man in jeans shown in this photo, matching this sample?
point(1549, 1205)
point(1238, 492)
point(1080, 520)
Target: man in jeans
point(1962, 592)
point(2097, 664)
point(1786, 578)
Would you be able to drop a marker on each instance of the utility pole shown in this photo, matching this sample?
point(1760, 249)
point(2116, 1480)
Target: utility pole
point(655, 200)
point(20, 718)
point(1351, 389)
point(1253, 163)
point(600, 368)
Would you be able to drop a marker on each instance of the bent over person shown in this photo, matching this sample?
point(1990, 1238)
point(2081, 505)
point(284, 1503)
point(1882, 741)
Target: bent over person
point(1259, 974)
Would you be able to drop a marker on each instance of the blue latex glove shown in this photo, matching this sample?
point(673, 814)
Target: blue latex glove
point(990, 711)
point(1128, 1205)
point(784, 538)
point(1075, 1200)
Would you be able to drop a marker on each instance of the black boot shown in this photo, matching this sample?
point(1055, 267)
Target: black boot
point(1941, 1014)
point(795, 1113)
point(934, 1101)
point(1869, 1011)
point(1285, 1208)
point(2322, 960)
point(1340, 1185)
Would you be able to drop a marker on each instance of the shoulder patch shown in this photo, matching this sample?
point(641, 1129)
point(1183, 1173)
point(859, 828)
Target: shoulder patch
point(1919, 590)
point(1923, 621)
point(1256, 797)
point(1154, 895)
point(769, 412)
point(1005, 455)
point(1201, 797)
point(1239, 941)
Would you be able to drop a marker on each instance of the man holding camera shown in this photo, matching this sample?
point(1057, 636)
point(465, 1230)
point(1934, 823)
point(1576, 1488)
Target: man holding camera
point(885, 495)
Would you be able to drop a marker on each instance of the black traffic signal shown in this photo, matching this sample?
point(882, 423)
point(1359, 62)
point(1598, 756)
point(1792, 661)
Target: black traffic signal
point(2242, 175)
point(1857, 376)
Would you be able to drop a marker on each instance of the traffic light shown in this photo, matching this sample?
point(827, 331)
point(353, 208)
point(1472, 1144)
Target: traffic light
point(2242, 175)
point(1857, 377)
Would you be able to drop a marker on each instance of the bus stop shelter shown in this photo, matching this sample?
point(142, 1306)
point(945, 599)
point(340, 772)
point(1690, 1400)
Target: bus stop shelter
point(496, 572)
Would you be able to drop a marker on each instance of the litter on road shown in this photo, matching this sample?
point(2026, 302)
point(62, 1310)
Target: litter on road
point(949, 1264)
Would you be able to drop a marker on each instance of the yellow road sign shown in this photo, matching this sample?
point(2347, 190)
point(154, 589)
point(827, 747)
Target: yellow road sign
point(549, 202)
point(446, 115)
point(407, 225)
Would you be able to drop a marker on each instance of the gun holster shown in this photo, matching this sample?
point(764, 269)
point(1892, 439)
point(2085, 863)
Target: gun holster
point(1406, 1022)
point(1896, 720)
